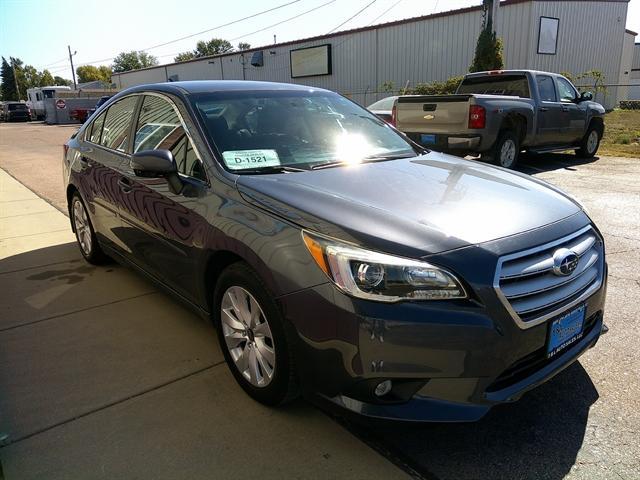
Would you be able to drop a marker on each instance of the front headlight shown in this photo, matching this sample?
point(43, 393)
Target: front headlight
point(379, 276)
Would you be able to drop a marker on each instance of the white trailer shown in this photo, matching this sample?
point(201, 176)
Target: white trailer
point(36, 96)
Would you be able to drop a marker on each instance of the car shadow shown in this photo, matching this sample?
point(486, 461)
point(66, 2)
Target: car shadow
point(531, 163)
point(535, 438)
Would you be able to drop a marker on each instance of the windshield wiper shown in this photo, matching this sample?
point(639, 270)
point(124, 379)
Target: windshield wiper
point(272, 169)
point(371, 159)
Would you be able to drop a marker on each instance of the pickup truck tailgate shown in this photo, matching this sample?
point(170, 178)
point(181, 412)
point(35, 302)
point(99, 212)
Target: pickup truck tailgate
point(433, 113)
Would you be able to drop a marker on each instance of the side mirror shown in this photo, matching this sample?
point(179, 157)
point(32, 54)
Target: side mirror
point(585, 96)
point(157, 163)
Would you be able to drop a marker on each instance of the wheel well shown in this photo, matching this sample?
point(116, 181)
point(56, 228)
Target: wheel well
point(517, 123)
point(71, 189)
point(598, 122)
point(215, 266)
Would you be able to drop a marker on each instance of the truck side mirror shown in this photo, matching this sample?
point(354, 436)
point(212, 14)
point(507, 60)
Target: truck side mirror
point(585, 96)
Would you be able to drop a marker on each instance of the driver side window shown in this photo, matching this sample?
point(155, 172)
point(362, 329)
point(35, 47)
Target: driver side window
point(160, 128)
point(566, 90)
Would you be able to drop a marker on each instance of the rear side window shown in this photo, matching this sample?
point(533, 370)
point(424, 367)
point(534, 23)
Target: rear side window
point(115, 132)
point(500, 84)
point(160, 128)
point(96, 129)
point(546, 88)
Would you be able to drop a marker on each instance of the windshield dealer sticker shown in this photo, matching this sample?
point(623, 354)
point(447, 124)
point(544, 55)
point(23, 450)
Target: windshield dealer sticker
point(243, 159)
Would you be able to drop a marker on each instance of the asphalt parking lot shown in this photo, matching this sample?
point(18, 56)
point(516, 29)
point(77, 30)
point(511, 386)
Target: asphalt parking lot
point(87, 387)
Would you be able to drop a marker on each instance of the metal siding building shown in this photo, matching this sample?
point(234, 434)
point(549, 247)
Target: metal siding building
point(634, 91)
point(591, 36)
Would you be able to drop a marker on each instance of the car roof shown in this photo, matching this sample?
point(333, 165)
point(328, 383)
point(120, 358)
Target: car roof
point(214, 86)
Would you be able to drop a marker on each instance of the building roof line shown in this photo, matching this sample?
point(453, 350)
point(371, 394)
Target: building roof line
point(448, 13)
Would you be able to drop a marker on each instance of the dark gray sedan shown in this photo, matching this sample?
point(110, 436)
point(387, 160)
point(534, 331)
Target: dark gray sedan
point(334, 256)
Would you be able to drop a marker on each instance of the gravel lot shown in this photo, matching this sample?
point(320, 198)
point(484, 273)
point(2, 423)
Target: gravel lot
point(584, 424)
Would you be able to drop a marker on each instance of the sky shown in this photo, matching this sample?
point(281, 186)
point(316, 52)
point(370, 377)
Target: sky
point(38, 31)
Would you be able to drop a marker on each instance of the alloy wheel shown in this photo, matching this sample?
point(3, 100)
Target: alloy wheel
point(592, 141)
point(83, 228)
point(248, 336)
point(507, 153)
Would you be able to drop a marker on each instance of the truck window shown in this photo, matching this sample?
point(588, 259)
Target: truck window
point(500, 84)
point(546, 88)
point(566, 90)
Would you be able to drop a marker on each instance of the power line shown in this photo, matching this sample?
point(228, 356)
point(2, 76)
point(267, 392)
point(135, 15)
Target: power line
point(385, 12)
point(352, 17)
point(203, 31)
point(284, 21)
point(224, 25)
point(56, 62)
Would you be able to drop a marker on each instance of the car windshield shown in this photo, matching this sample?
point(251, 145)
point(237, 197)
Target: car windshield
point(282, 130)
point(17, 106)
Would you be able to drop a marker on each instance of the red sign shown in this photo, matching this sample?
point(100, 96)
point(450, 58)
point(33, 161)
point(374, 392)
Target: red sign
point(61, 104)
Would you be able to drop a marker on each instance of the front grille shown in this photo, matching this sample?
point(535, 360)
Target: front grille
point(533, 362)
point(532, 292)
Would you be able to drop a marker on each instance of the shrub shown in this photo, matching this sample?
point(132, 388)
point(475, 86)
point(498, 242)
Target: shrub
point(437, 88)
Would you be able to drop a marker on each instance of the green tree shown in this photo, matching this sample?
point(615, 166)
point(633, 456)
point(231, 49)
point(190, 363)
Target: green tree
point(28, 77)
point(489, 47)
point(89, 73)
point(244, 46)
point(184, 56)
point(8, 87)
point(215, 46)
point(46, 79)
point(57, 80)
point(133, 60)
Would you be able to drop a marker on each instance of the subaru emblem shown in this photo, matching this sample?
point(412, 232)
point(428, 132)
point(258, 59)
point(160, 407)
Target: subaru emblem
point(564, 262)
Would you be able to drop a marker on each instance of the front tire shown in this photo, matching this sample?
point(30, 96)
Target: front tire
point(590, 143)
point(253, 336)
point(505, 151)
point(85, 235)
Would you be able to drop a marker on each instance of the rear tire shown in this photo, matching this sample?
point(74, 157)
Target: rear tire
point(85, 235)
point(506, 151)
point(256, 342)
point(590, 143)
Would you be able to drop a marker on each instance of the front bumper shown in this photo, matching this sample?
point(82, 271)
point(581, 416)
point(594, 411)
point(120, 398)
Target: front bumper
point(448, 360)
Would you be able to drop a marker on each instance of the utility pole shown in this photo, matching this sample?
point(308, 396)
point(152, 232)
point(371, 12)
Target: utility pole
point(15, 78)
point(73, 72)
point(492, 12)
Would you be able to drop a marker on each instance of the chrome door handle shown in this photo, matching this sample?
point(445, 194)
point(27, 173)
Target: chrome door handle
point(543, 109)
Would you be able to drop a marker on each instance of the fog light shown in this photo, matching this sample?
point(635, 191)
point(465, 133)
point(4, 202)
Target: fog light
point(383, 388)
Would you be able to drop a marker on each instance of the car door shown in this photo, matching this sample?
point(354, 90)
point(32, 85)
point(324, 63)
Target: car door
point(550, 119)
point(163, 230)
point(574, 121)
point(102, 155)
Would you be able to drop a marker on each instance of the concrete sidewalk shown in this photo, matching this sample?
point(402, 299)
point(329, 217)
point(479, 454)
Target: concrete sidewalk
point(102, 376)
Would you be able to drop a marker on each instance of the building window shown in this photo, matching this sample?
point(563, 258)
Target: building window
point(548, 35)
point(310, 61)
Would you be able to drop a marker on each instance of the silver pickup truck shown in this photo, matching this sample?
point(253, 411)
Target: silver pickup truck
point(498, 114)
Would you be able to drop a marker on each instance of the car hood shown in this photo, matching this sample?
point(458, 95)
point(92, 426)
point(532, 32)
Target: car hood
point(417, 206)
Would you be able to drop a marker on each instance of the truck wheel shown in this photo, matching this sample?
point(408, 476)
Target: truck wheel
point(590, 143)
point(505, 151)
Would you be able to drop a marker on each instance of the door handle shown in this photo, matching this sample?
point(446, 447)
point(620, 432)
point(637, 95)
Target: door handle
point(543, 109)
point(125, 184)
point(565, 109)
point(84, 161)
